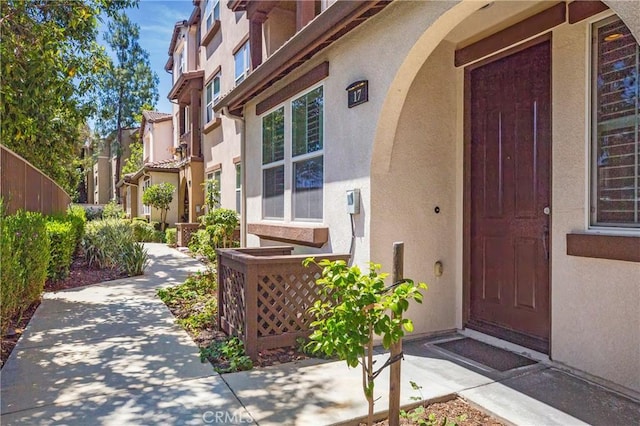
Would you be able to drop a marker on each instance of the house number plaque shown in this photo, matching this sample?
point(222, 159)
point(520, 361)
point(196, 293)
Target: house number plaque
point(358, 93)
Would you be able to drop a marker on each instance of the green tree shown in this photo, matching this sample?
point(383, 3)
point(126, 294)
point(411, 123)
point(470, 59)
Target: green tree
point(127, 85)
point(136, 151)
point(160, 197)
point(134, 162)
point(357, 307)
point(50, 63)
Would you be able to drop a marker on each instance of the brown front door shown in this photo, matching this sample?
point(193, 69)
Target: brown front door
point(509, 219)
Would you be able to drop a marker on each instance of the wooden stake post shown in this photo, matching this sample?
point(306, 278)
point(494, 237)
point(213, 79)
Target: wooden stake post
point(396, 349)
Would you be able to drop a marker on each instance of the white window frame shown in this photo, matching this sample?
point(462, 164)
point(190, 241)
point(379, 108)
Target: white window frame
point(216, 94)
point(211, 97)
point(181, 63)
point(208, 99)
point(242, 53)
point(274, 164)
point(217, 176)
point(238, 169)
point(146, 209)
point(211, 13)
point(592, 223)
point(289, 160)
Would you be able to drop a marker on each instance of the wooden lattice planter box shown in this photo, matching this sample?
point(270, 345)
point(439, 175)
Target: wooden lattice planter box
point(264, 294)
point(184, 233)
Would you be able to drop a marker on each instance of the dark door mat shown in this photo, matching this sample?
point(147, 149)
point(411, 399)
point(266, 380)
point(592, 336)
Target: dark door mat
point(485, 354)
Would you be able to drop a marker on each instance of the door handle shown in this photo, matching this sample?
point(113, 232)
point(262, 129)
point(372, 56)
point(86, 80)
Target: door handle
point(545, 241)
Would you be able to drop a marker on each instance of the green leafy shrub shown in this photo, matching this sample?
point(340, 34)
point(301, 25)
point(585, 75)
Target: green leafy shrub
point(62, 237)
point(93, 212)
point(196, 298)
point(358, 307)
point(77, 216)
point(112, 210)
point(134, 259)
point(171, 236)
point(142, 230)
point(227, 355)
point(159, 196)
point(9, 272)
point(220, 224)
point(202, 243)
point(24, 257)
point(104, 240)
point(109, 243)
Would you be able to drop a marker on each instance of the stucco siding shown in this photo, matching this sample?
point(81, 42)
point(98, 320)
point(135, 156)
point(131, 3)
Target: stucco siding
point(595, 303)
point(404, 150)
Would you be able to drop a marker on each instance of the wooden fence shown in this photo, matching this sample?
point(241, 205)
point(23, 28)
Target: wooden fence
point(22, 186)
point(264, 294)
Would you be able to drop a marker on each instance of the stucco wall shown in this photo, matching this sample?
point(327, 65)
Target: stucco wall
point(349, 133)
point(162, 140)
point(422, 177)
point(403, 149)
point(222, 145)
point(595, 303)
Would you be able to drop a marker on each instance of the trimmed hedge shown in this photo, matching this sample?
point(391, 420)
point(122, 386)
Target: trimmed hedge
point(24, 258)
point(146, 232)
point(77, 216)
point(62, 235)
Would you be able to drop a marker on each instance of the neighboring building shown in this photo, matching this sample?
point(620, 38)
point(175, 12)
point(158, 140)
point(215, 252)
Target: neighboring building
point(156, 134)
point(100, 177)
point(208, 56)
point(184, 64)
point(498, 138)
point(224, 58)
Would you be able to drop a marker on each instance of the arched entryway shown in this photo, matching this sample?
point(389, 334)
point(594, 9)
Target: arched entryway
point(423, 162)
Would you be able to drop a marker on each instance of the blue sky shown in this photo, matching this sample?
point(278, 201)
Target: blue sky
point(156, 19)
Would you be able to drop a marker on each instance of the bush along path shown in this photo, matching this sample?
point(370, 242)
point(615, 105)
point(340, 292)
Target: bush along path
point(50, 253)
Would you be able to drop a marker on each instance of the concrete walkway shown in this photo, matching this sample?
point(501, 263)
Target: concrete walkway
point(111, 354)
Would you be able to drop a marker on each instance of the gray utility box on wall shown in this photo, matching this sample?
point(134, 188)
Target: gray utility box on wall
point(353, 201)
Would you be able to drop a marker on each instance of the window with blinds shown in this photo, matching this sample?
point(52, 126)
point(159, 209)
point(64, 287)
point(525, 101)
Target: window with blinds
point(615, 197)
point(293, 159)
point(273, 165)
point(308, 171)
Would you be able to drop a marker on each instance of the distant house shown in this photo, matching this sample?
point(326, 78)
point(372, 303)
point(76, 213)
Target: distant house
point(499, 139)
point(159, 166)
point(99, 178)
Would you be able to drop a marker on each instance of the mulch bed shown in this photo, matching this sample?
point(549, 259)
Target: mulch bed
point(452, 411)
point(81, 274)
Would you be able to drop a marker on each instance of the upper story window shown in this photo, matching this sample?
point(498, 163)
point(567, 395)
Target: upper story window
point(615, 166)
point(243, 63)
point(181, 64)
point(212, 95)
point(211, 13)
point(299, 156)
